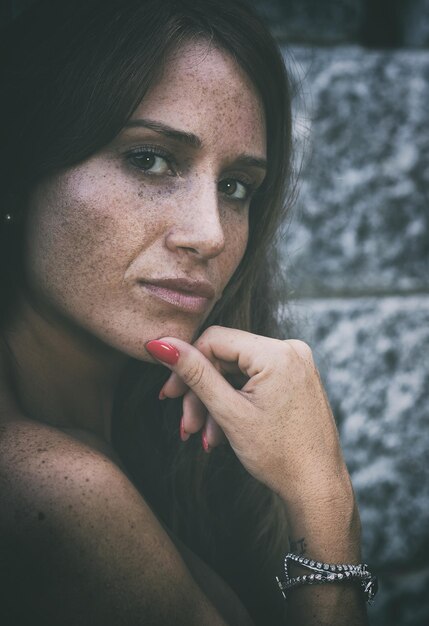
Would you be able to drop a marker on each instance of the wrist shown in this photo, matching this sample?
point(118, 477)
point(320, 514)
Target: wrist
point(325, 524)
point(327, 491)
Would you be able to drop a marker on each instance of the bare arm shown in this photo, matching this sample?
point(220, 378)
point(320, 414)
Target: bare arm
point(80, 545)
point(326, 527)
point(281, 427)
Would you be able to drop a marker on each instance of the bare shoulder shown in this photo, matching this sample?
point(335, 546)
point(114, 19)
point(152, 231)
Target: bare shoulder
point(78, 542)
point(45, 461)
point(46, 473)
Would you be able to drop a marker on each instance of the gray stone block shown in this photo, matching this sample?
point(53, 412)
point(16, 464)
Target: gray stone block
point(414, 19)
point(361, 222)
point(323, 22)
point(373, 357)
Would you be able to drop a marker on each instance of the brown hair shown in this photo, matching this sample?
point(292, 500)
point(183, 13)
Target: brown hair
point(72, 73)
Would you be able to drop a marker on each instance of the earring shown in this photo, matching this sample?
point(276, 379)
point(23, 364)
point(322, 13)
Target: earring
point(7, 218)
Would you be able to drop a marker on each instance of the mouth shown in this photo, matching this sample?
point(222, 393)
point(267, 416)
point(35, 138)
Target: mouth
point(186, 295)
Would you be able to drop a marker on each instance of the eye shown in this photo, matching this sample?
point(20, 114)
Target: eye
point(235, 189)
point(150, 161)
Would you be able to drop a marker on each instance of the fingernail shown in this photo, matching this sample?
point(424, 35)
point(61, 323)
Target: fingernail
point(205, 442)
point(162, 395)
point(163, 351)
point(184, 436)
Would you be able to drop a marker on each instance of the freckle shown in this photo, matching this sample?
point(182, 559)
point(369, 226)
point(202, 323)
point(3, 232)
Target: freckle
point(65, 477)
point(87, 480)
point(41, 516)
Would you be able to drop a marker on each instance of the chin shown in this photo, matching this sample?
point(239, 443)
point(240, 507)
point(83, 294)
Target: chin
point(133, 345)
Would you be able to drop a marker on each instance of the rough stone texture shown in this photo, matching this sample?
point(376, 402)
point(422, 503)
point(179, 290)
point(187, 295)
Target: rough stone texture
point(414, 19)
point(362, 221)
point(373, 356)
point(314, 21)
point(360, 228)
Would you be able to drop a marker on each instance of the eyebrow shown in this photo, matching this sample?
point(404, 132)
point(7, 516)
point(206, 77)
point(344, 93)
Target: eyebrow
point(189, 139)
point(251, 161)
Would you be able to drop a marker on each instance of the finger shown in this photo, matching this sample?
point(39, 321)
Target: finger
point(194, 413)
point(174, 387)
point(198, 373)
point(237, 352)
point(214, 434)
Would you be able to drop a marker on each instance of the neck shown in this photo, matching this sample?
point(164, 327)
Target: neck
point(60, 377)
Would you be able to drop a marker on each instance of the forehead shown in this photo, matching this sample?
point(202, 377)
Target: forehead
point(204, 91)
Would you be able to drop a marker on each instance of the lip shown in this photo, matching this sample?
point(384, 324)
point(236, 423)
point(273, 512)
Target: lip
point(193, 296)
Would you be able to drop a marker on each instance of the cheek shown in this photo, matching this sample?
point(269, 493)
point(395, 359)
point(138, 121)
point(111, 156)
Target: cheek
point(80, 231)
point(236, 237)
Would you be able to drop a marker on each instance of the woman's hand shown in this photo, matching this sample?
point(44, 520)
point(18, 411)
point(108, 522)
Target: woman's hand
point(278, 423)
point(281, 427)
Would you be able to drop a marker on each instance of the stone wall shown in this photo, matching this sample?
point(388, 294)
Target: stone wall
point(391, 23)
point(356, 254)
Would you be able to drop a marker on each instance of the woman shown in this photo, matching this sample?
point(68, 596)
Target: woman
point(145, 154)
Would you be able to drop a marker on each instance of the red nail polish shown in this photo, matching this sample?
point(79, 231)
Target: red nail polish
point(163, 351)
point(184, 436)
point(205, 442)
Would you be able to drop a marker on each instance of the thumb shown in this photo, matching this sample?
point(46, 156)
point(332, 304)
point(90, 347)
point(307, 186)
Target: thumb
point(199, 374)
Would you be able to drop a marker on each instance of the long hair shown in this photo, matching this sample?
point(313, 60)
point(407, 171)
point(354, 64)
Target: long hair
point(72, 73)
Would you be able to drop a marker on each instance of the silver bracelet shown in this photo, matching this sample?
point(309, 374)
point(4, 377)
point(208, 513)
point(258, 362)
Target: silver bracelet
point(328, 573)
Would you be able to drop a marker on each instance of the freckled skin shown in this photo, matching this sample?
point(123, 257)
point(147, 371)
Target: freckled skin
point(70, 519)
point(76, 537)
point(99, 227)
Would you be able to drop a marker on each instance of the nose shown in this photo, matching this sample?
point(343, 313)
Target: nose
point(196, 227)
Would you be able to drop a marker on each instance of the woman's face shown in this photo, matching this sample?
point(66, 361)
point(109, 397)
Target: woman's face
point(139, 240)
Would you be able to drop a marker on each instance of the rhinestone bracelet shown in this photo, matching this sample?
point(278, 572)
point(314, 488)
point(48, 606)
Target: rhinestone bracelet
point(328, 573)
